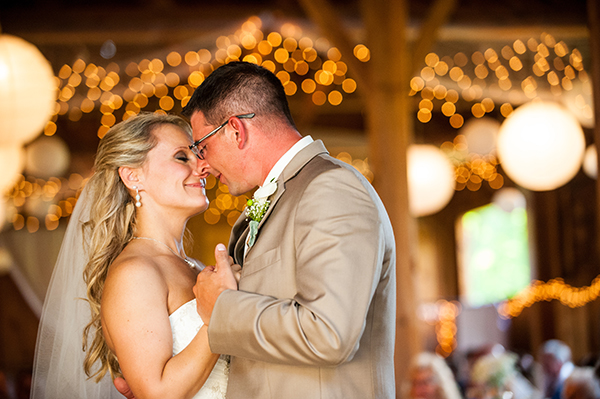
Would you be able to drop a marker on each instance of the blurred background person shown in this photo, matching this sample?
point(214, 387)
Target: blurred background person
point(431, 378)
point(555, 359)
point(581, 384)
point(496, 375)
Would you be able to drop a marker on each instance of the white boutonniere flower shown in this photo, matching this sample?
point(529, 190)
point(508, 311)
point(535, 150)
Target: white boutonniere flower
point(257, 207)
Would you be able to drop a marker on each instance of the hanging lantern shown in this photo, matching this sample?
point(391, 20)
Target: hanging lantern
point(27, 90)
point(590, 161)
point(430, 179)
point(481, 134)
point(12, 159)
point(541, 146)
point(47, 157)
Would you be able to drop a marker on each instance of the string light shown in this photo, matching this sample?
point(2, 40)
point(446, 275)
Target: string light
point(552, 66)
point(555, 289)
point(503, 70)
point(442, 315)
point(471, 170)
point(317, 68)
point(58, 197)
point(310, 67)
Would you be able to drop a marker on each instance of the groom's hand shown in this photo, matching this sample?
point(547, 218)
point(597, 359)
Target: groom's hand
point(212, 281)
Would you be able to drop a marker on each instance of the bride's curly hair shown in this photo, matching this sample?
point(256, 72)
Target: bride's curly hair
point(113, 221)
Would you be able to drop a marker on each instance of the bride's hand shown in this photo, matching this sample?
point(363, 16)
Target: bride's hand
point(123, 388)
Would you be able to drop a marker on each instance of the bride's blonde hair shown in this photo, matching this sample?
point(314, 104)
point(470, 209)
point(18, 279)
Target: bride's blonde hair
point(113, 220)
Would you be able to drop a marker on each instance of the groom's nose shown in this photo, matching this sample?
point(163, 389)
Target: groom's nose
point(202, 168)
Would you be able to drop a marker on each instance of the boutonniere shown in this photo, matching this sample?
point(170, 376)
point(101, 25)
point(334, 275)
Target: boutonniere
point(257, 207)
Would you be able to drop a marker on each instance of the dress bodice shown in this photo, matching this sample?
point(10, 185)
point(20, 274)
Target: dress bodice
point(185, 323)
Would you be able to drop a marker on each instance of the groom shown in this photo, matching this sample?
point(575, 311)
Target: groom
point(314, 316)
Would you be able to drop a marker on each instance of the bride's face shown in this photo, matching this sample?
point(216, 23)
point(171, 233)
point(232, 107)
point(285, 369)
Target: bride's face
point(172, 177)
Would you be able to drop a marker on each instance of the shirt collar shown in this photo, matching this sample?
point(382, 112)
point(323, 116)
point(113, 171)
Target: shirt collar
point(287, 158)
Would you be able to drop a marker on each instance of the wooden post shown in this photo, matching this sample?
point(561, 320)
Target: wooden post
point(594, 26)
point(384, 83)
point(389, 121)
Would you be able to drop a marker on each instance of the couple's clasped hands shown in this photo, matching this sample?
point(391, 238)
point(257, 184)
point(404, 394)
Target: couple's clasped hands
point(213, 280)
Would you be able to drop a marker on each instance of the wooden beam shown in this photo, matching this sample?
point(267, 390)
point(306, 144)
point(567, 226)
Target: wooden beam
point(439, 13)
point(322, 13)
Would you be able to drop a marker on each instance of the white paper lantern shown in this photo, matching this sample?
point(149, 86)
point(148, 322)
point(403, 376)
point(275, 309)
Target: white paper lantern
point(590, 161)
point(27, 90)
point(481, 134)
point(47, 157)
point(430, 179)
point(541, 146)
point(12, 159)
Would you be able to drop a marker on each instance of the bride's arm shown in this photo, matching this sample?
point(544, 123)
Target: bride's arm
point(136, 325)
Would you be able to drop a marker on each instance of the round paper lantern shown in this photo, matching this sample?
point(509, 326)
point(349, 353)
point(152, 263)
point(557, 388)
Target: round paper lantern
point(541, 146)
point(430, 179)
point(12, 159)
point(509, 199)
point(481, 134)
point(47, 157)
point(590, 162)
point(27, 90)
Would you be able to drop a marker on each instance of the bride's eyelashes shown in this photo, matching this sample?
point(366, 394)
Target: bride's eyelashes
point(182, 156)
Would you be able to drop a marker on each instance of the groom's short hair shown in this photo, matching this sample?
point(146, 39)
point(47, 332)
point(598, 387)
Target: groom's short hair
point(236, 88)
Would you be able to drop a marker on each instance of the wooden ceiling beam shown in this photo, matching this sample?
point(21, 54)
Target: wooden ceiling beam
point(439, 13)
point(327, 20)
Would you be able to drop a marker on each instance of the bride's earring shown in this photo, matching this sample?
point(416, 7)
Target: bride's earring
point(138, 198)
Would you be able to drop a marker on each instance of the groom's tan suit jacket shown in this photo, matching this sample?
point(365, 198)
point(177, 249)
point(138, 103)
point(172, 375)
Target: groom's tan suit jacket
point(314, 316)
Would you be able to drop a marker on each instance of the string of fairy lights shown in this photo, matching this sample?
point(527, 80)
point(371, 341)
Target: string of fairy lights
point(554, 289)
point(305, 66)
point(312, 67)
point(516, 73)
point(442, 315)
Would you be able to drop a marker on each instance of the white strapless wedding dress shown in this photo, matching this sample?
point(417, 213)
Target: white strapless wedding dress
point(185, 323)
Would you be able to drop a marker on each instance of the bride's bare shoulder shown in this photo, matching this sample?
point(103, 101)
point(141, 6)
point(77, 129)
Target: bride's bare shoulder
point(134, 271)
point(134, 298)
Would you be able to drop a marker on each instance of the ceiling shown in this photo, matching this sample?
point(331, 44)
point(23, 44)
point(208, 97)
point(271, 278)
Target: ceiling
point(65, 30)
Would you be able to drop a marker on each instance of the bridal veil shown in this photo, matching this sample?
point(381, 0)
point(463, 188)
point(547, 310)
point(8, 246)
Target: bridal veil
point(58, 364)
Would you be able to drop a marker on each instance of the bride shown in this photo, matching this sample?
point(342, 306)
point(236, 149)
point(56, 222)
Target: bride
point(131, 267)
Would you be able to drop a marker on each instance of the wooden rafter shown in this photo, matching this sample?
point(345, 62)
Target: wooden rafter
point(439, 13)
point(324, 16)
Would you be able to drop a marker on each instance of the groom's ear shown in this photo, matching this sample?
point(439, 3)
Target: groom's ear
point(129, 176)
point(241, 134)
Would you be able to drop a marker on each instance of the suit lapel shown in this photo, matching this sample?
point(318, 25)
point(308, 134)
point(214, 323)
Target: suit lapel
point(240, 247)
point(292, 169)
point(239, 232)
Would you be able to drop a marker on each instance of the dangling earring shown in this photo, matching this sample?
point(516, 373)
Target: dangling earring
point(138, 203)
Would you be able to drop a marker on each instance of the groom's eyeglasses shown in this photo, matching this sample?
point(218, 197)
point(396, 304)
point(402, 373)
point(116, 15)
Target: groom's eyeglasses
point(199, 152)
